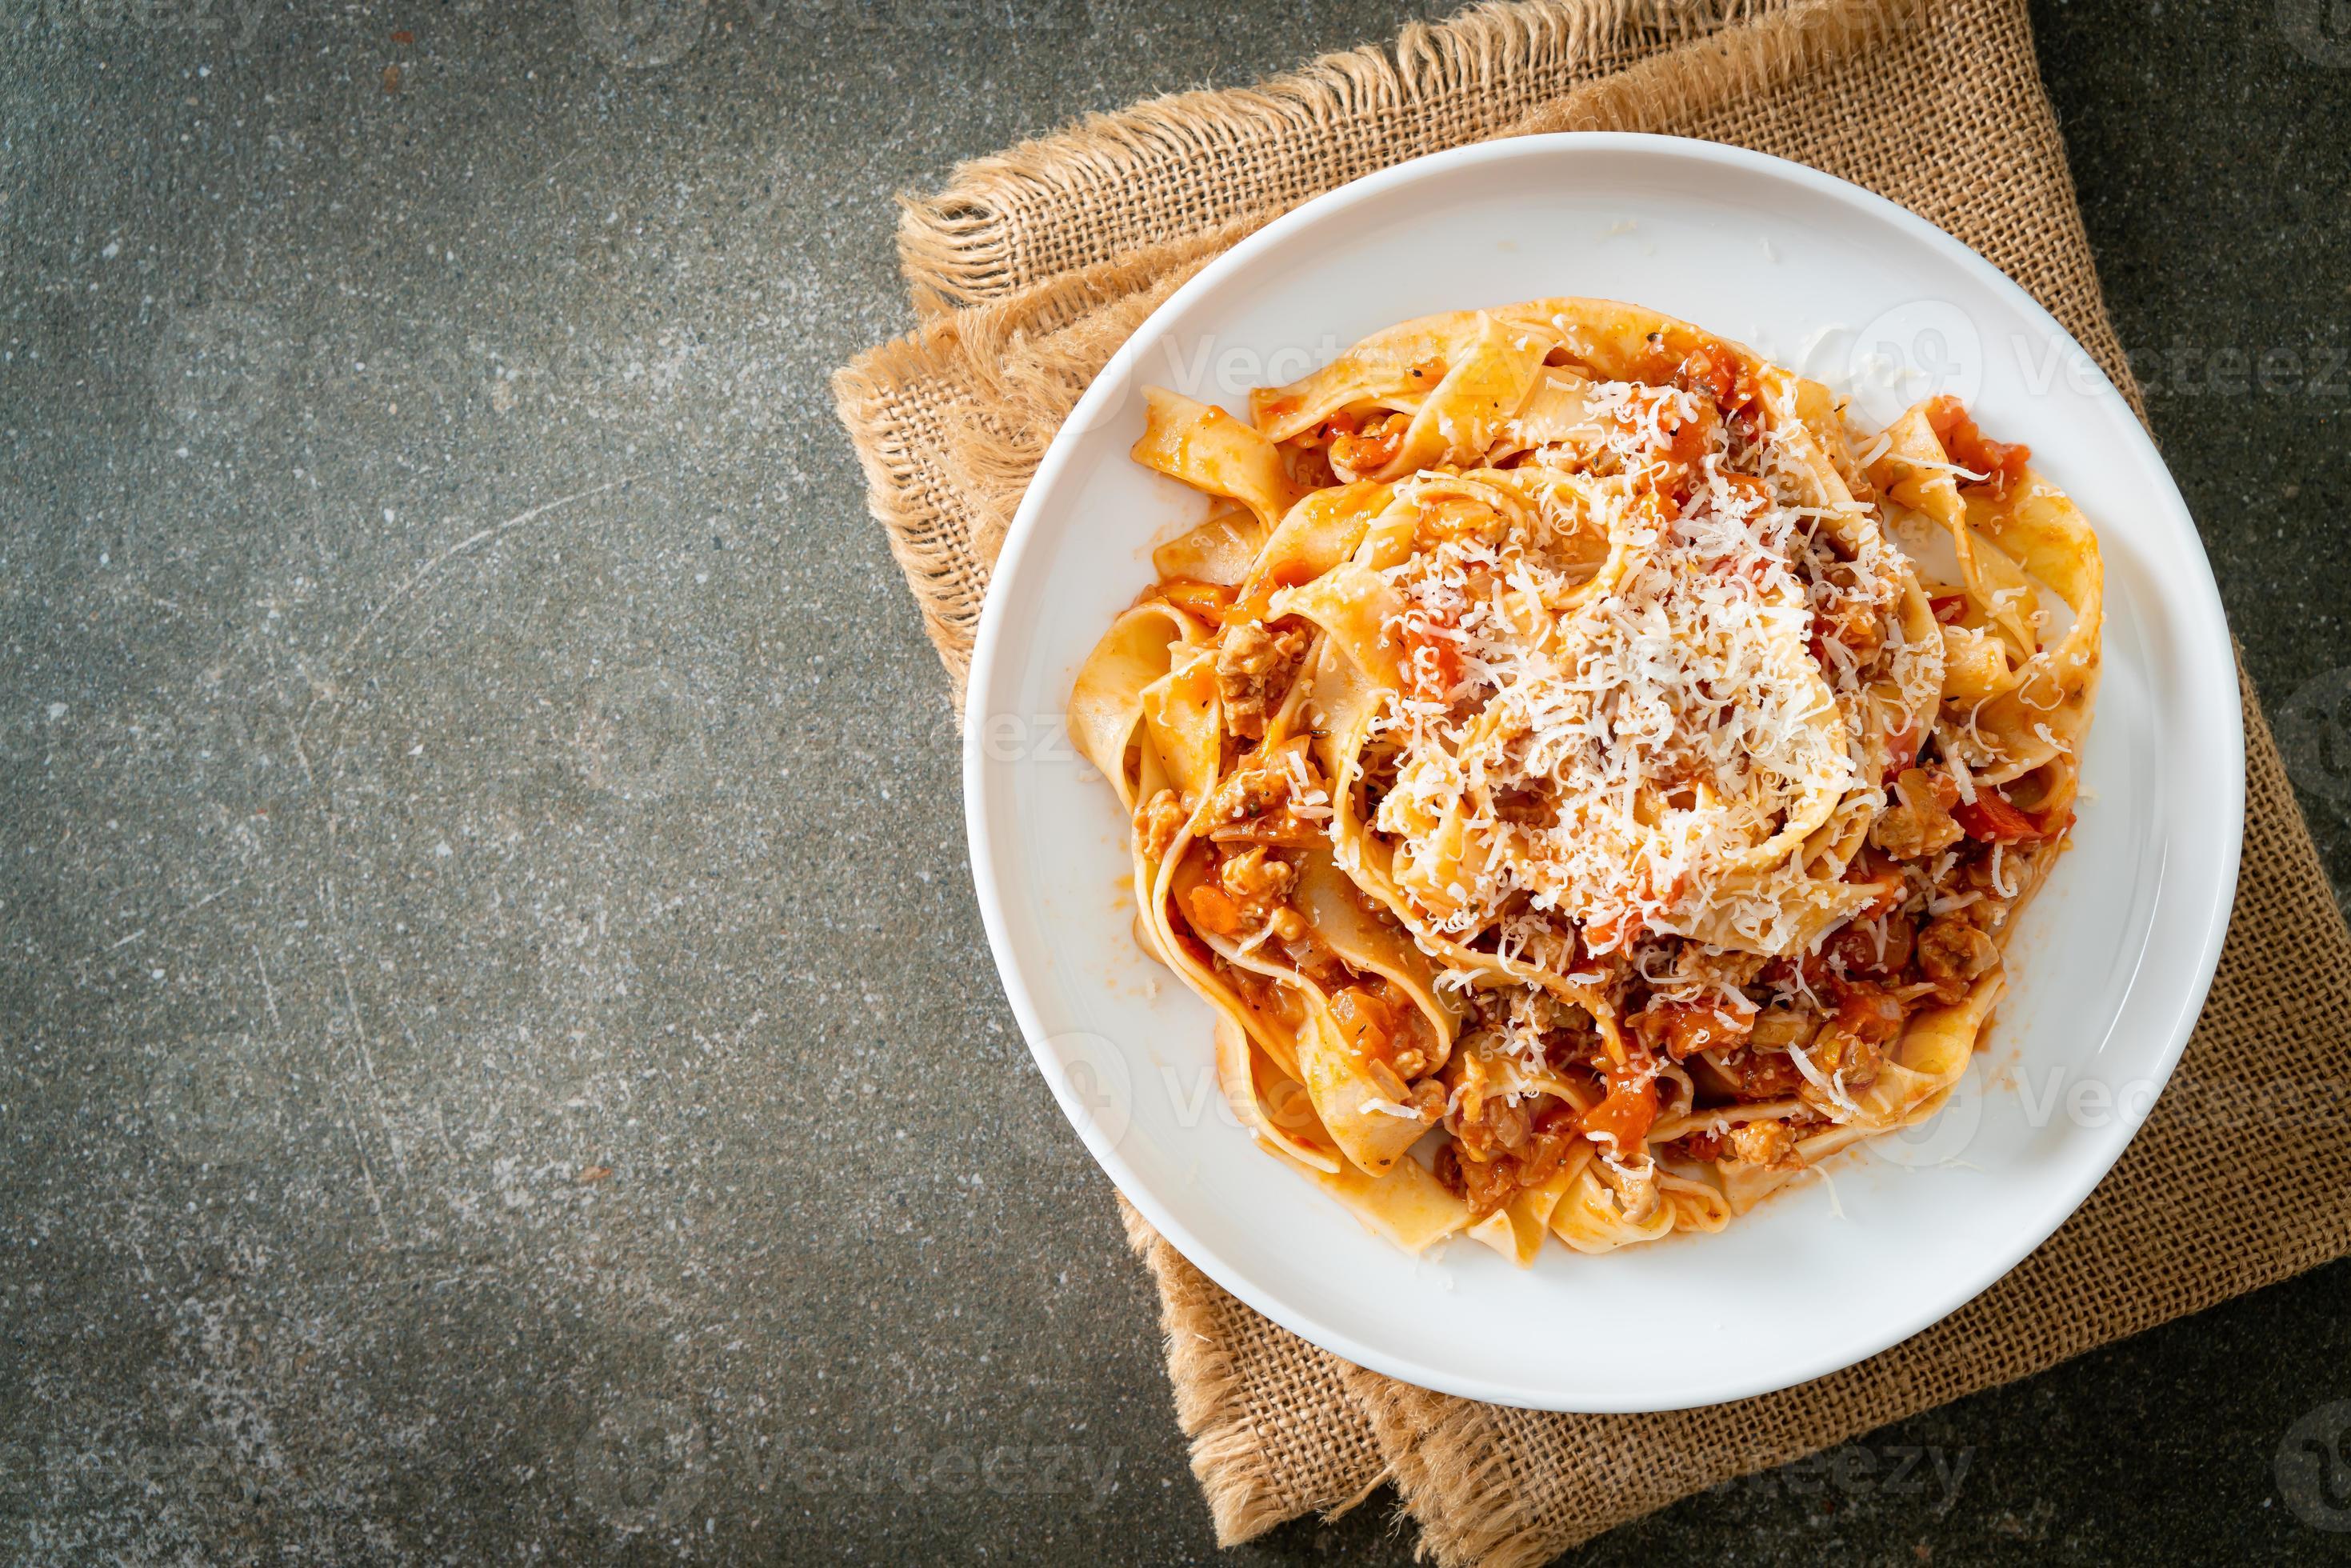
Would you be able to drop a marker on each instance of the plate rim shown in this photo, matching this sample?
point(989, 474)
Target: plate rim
point(2202, 594)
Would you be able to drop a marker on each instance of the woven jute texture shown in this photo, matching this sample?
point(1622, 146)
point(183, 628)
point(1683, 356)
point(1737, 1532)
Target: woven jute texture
point(1035, 265)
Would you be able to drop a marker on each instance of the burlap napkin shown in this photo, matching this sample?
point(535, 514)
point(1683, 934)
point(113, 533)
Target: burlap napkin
point(1036, 264)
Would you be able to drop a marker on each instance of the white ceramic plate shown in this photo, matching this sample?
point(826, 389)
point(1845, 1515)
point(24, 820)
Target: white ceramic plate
point(2109, 968)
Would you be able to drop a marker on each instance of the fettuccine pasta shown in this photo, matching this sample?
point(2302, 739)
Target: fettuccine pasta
point(1590, 784)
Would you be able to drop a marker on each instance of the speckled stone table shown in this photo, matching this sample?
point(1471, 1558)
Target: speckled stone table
point(498, 1060)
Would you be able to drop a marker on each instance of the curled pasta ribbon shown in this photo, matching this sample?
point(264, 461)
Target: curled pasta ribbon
point(1589, 785)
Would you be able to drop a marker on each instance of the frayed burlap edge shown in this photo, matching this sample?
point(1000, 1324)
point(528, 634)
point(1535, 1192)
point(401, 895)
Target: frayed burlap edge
point(1232, 1457)
point(1811, 35)
point(1448, 1466)
point(1437, 85)
point(932, 418)
point(1032, 378)
point(1231, 1461)
point(880, 398)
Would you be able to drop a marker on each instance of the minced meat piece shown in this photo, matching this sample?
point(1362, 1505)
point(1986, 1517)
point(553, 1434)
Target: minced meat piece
point(1253, 669)
point(1922, 824)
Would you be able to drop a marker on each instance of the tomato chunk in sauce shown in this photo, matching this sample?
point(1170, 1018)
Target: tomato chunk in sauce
point(1990, 818)
point(2001, 463)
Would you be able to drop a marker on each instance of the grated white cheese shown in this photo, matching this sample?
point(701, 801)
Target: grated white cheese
point(1673, 726)
point(1930, 465)
point(1834, 1090)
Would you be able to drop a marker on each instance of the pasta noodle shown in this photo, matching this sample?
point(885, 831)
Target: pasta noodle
point(1590, 784)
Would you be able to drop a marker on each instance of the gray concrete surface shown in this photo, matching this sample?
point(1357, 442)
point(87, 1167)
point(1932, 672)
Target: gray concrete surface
point(481, 881)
